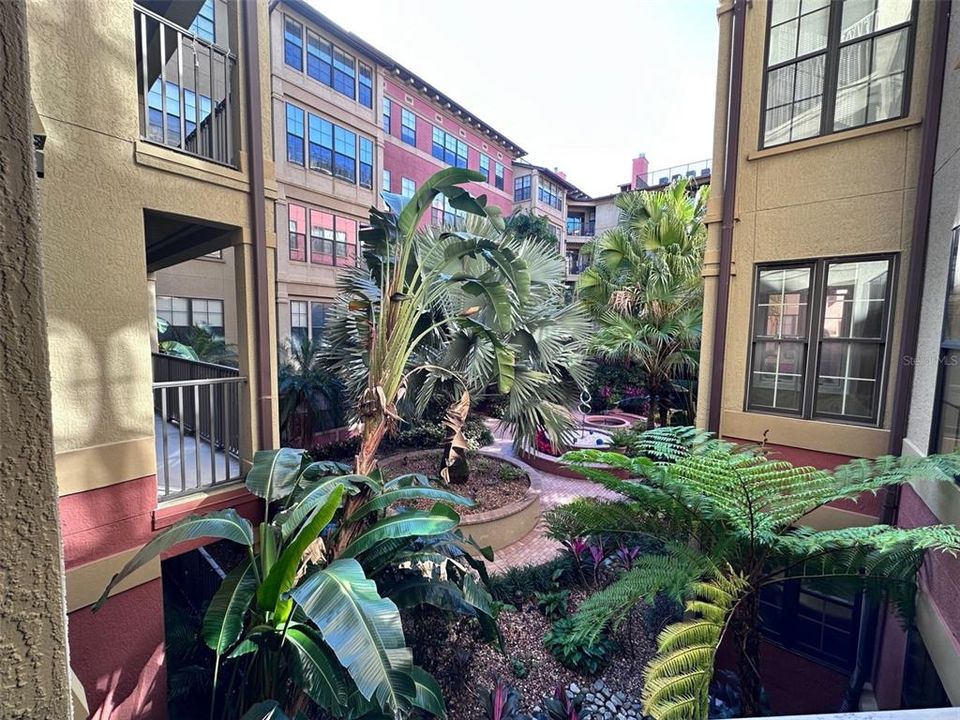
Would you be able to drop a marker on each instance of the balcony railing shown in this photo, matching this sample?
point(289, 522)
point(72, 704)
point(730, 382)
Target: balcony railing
point(695, 171)
point(186, 89)
point(197, 411)
point(576, 264)
point(582, 229)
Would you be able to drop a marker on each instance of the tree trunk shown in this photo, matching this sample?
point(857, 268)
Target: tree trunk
point(652, 402)
point(746, 627)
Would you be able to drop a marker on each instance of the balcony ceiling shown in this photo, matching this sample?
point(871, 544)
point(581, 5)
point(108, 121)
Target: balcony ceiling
point(171, 239)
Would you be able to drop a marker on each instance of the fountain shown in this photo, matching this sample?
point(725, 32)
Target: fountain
point(590, 438)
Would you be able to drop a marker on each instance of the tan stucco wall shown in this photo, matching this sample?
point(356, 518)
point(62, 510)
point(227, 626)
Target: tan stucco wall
point(205, 278)
point(844, 194)
point(99, 180)
point(34, 678)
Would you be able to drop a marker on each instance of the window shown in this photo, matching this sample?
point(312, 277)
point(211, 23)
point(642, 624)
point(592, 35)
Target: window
point(204, 24)
point(442, 213)
point(574, 225)
point(294, 134)
point(485, 167)
point(449, 149)
point(344, 154)
point(557, 231)
point(819, 339)
point(922, 687)
point(366, 86)
point(946, 429)
point(319, 59)
point(387, 119)
point(498, 177)
point(184, 314)
point(297, 222)
point(298, 319)
point(321, 144)
point(293, 43)
point(801, 617)
point(832, 66)
point(549, 193)
point(366, 163)
point(344, 73)
point(407, 187)
point(321, 237)
point(308, 319)
point(408, 127)
point(521, 188)
point(387, 183)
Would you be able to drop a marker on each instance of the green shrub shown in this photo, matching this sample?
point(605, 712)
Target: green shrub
point(521, 583)
point(519, 668)
point(340, 450)
point(574, 653)
point(553, 604)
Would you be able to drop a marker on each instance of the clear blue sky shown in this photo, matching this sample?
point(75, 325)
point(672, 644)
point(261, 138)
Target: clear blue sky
point(581, 85)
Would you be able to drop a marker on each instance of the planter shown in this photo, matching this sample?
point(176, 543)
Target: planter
point(501, 526)
point(551, 464)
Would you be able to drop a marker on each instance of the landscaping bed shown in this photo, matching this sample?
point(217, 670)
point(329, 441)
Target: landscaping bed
point(493, 483)
point(466, 666)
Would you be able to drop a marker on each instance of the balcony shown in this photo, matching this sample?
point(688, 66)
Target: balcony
point(698, 171)
point(197, 425)
point(579, 228)
point(576, 264)
point(186, 86)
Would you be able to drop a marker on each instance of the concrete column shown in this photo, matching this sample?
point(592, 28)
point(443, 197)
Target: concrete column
point(152, 306)
point(34, 677)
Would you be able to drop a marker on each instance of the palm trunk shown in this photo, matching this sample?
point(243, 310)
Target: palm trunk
point(746, 635)
point(652, 402)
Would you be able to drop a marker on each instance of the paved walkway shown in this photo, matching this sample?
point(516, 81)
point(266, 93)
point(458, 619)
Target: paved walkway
point(536, 547)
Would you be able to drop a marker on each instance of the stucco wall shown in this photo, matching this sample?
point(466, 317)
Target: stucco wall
point(418, 163)
point(944, 217)
point(839, 195)
point(33, 676)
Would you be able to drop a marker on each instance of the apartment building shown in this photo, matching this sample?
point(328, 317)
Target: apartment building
point(149, 119)
point(349, 122)
point(825, 150)
point(589, 217)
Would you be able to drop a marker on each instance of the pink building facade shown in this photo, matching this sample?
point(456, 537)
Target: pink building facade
point(423, 132)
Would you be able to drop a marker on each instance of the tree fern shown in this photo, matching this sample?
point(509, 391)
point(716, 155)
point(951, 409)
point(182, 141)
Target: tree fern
point(677, 679)
point(742, 511)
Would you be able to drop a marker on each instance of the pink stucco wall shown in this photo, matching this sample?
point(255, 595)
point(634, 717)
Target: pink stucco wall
point(402, 161)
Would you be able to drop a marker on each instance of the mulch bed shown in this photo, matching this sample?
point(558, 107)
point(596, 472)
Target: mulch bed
point(465, 665)
point(493, 483)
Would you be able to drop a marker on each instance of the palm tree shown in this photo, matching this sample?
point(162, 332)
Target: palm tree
point(645, 290)
point(547, 337)
point(308, 390)
point(731, 521)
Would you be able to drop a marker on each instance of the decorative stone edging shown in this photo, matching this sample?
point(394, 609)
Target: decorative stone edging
point(501, 526)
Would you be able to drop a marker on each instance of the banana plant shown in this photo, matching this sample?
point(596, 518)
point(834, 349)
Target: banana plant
point(299, 619)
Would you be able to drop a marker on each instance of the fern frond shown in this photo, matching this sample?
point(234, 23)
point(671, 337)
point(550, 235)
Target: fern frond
point(659, 517)
point(673, 573)
point(677, 680)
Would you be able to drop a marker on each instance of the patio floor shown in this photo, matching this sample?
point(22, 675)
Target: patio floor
point(197, 465)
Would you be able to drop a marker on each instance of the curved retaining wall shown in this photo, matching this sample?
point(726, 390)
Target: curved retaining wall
point(504, 525)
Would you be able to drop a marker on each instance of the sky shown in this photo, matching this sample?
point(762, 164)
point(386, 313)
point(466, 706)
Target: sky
point(582, 85)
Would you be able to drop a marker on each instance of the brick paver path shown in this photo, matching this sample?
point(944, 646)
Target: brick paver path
point(536, 547)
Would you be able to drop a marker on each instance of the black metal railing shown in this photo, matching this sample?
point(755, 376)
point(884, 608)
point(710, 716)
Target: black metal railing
point(197, 406)
point(581, 229)
point(186, 84)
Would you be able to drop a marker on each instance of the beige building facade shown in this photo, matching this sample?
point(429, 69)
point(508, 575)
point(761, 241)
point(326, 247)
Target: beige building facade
point(824, 298)
point(149, 118)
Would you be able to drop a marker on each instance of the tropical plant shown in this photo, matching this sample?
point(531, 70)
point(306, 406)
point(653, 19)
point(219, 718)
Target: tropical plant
point(546, 336)
point(573, 650)
point(309, 619)
point(307, 392)
point(562, 706)
point(553, 604)
point(201, 345)
point(384, 317)
point(454, 310)
point(502, 702)
point(644, 288)
point(731, 522)
point(530, 226)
